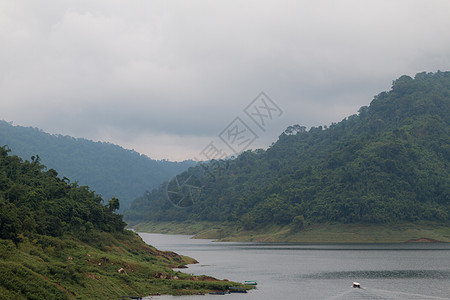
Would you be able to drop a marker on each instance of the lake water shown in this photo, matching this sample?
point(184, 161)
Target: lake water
point(318, 271)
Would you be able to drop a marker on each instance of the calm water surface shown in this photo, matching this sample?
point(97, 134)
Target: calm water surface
point(318, 271)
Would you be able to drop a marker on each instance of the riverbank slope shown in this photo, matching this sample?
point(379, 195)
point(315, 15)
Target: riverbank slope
point(112, 266)
point(59, 240)
point(315, 233)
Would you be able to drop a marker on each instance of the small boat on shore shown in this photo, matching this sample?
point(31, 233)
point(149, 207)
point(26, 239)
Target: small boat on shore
point(237, 289)
point(218, 293)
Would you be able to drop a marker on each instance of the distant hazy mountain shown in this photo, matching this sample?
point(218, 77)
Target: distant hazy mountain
point(388, 163)
point(108, 169)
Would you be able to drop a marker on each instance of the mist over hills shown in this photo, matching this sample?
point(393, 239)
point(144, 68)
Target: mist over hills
point(108, 169)
point(388, 163)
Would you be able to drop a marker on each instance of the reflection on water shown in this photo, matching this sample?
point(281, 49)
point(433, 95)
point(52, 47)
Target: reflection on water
point(319, 271)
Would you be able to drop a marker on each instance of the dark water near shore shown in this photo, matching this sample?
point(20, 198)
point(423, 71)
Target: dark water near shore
point(318, 271)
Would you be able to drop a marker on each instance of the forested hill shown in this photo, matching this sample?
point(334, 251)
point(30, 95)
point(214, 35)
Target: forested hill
point(108, 169)
point(388, 163)
point(61, 241)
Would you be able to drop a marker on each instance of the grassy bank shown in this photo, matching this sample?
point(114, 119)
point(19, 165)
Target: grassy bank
point(109, 266)
point(63, 241)
point(316, 233)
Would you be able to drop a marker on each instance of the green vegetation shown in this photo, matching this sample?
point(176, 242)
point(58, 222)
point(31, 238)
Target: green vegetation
point(388, 164)
point(314, 233)
point(108, 169)
point(58, 241)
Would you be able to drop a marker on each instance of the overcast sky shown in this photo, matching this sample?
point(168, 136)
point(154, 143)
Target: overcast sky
point(166, 78)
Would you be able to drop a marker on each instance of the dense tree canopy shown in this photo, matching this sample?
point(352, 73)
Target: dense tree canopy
point(35, 201)
point(388, 163)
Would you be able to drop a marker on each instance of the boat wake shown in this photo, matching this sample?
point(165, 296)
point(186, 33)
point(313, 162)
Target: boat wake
point(371, 293)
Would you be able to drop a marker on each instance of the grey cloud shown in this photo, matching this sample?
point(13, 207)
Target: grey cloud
point(181, 71)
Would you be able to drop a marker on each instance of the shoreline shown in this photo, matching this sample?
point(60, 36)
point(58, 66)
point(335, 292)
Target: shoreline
point(315, 233)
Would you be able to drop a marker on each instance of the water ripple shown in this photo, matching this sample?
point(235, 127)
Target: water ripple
point(385, 274)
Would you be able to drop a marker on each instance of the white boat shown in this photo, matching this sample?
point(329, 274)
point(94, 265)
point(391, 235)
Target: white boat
point(356, 285)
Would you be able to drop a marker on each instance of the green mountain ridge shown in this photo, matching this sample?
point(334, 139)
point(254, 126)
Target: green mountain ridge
point(387, 164)
point(110, 170)
point(58, 241)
